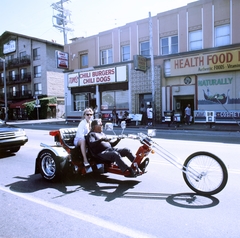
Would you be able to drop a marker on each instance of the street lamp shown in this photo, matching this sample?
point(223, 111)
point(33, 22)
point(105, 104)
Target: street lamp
point(5, 88)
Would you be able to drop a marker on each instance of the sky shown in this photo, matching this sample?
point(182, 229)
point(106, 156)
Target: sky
point(34, 17)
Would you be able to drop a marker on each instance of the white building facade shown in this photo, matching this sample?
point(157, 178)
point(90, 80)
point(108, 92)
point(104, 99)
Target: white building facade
point(196, 61)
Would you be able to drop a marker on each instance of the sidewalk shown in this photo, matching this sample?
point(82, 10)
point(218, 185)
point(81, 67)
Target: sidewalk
point(162, 126)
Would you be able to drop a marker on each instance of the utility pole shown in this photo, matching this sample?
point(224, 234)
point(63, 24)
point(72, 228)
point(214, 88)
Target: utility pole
point(5, 88)
point(152, 67)
point(61, 17)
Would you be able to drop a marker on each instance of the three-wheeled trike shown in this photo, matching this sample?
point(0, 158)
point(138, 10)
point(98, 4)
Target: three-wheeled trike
point(202, 171)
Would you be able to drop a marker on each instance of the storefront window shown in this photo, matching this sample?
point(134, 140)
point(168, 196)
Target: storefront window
point(119, 99)
point(81, 101)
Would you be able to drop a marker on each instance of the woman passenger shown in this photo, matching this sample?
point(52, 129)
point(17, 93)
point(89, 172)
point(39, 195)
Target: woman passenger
point(82, 130)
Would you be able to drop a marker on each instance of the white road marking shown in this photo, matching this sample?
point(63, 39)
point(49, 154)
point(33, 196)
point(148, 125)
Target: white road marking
point(82, 216)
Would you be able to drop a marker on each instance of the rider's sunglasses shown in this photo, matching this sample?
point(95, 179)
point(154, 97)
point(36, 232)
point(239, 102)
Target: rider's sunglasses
point(88, 114)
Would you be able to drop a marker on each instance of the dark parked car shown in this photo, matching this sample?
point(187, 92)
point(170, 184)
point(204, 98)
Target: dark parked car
point(11, 137)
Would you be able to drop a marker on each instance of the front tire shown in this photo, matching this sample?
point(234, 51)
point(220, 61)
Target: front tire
point(212, 173)
point(49, 166)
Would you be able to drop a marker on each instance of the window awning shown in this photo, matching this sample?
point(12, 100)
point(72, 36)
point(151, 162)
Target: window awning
point(19, 104)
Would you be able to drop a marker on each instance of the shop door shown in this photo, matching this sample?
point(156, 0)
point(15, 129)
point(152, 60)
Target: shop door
point(180, 105)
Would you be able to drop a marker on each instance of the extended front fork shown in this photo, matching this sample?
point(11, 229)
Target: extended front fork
point(141, 154)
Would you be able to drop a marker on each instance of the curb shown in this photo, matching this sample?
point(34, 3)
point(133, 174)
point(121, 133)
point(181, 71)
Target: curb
point(163, 126)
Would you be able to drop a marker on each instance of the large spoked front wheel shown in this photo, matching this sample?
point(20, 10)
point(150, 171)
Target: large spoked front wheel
point(205, 173)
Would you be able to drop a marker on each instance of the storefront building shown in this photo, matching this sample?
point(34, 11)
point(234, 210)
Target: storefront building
point(213, 80)
point(195, 51)
point(100, 89)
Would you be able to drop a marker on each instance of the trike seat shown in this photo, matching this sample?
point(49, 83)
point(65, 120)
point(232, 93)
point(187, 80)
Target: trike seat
point(67, 136)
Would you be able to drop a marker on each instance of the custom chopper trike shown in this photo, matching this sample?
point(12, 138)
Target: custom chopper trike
point(202, 171)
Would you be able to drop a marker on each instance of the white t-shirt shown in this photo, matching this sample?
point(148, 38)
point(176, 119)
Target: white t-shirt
point(188, 111)
point(82, 130)
point(149, 113)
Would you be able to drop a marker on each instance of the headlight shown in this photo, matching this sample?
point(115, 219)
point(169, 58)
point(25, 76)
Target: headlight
point(20, 133)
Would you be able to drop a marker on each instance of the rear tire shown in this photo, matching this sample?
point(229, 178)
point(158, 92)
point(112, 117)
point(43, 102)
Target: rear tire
point(49, 166)
point(212, 173)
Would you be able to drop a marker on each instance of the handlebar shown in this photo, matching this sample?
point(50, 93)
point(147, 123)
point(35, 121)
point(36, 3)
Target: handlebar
point(143, 138)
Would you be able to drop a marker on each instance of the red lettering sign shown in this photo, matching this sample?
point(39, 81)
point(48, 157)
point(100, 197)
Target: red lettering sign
point(189, 62)
point(73, 79)
point(222, 58)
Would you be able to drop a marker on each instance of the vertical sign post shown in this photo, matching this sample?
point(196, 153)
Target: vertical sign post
point(152, 66)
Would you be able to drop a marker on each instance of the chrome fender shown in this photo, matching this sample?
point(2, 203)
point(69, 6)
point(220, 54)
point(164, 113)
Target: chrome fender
point(60, 153)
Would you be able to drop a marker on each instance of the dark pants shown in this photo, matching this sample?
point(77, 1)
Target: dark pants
point(188, 119)
point(115, 155)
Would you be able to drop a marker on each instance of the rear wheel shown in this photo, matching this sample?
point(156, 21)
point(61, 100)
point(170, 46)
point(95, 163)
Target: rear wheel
point(49, 166)
point(211, 173)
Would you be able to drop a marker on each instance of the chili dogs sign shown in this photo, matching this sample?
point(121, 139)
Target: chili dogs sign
point(200, 64)
point(101, 76)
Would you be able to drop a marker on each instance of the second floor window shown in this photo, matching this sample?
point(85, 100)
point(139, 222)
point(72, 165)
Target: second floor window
point(9, 58)
point(23, 55)
point(169, 45)
point(125, 50)
point(37, 71)
point(12, 91)
point(222, 35)
point(24, 90)
point(12, 75)
point(37, 88)
point(23, 73)
point(145, 48)
point(36, 54)
point(106, 57)
point(2, 78)
point(195, 40)
point(83, 61)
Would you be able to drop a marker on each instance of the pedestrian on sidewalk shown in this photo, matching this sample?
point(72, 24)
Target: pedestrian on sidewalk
point(188, 114)
point(143, 112)
point(114, 116)
point(150, 115)
point(96, 116)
